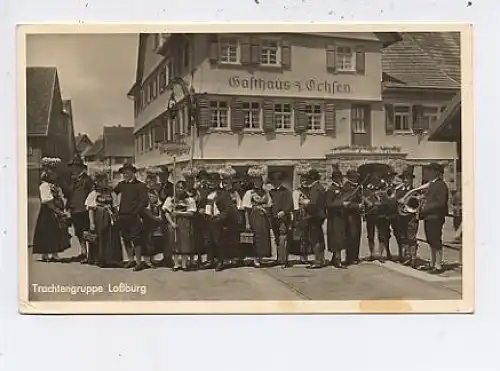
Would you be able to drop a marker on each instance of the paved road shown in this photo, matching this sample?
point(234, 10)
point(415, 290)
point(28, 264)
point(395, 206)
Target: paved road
point(365, 281)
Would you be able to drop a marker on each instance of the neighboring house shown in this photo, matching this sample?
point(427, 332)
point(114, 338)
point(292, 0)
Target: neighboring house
point(274, 99)
point(49, 128)
point(83, 142)
point(114, 148)
point(421, 75)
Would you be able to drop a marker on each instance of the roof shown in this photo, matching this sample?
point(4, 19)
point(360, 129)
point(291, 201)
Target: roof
point(423, 59)
point(443, 129)
point(81, 141)
point(40, 88)
point(116, 141)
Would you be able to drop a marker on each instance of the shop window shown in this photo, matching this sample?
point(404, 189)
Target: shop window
point(314, 116)
point(252, 115)
point(219, 115)
point(345, 59)
point(270, 52)
point(229, 50)
point(283, 116)
point(402, 118)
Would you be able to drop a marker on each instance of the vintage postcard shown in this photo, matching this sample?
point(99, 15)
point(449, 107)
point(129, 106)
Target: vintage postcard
point(246, 168)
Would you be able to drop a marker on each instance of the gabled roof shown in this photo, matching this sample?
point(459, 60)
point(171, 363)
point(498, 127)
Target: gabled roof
point(40, 90)
point(443, 129)
point(116, 141)
point(423, 59)
point(82, 142)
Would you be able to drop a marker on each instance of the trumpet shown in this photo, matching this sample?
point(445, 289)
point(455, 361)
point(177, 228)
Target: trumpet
point(413, 200)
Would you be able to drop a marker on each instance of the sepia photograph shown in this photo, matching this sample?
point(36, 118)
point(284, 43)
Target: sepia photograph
point(245, 169)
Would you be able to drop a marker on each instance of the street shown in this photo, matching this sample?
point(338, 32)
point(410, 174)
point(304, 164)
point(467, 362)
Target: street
point(366, 281)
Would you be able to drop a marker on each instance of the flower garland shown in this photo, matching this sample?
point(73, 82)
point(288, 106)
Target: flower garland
point(256, 171)
point(227, 171)
point(50, 161)
point(367, 149)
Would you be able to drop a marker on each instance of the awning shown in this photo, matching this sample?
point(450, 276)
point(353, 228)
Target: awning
point(448, 127)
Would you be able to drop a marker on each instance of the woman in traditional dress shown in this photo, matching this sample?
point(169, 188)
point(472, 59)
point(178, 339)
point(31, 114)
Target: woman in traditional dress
point(237, 193)
point(257, 203)
point(189, 174)
point(300, 245)
point(179, 212)
point(102, 202)
point(51, 235)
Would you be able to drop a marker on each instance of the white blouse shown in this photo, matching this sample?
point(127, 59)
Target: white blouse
point(168, 205)
point(211, 207)
point(46, 194)
point(247, 199)
point(91, 201)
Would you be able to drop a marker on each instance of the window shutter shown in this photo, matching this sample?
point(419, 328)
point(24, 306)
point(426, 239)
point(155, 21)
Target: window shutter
point(418, 119)
point(245, 50)
point(237, 116)
point(268, 116)
point(203, 114)
point(255, 51)
point(330, 58)
point(300, 117)
point(360, 60)
point(330, 119)
point(389, 119)
point(286, 54)
point(213, 49)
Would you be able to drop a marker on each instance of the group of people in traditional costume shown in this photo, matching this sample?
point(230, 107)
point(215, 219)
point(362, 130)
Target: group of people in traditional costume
point(218, 219)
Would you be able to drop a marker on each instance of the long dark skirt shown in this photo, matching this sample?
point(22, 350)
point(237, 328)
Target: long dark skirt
point(335, 232)
point(107, 249)
point(224, 239)
point(200, 233)
point(183, 238)
point(51, 236)
point(299, 241)
point(243, 250)
point(259, 223)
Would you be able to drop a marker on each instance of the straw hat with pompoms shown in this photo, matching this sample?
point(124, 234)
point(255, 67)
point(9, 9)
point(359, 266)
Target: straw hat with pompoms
point(303, 169)
point(227, 172)
point(190, 172)
point(50, 162)
point(256, 171)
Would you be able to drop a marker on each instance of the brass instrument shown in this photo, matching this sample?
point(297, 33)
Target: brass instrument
point(412, 202)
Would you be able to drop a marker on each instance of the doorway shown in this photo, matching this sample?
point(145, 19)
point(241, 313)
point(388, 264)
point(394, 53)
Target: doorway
point(361, 128)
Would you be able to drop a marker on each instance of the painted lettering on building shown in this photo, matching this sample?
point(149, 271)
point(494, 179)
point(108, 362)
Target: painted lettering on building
point(278, 85)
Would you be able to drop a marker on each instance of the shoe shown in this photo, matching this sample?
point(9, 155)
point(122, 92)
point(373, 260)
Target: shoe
point(84, 261)
point(315, 266)
point(176, 269)
point(219, 267)
point(150, 265)
point(436, 271)
point(139, 267)
point(339, 265)
point(130, 264)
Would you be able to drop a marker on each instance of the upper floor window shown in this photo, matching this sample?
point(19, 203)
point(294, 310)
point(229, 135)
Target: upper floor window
point(402, 118)
point(283, 116)
point(270, 52)
point(219, 115)
point(314, 116)
point(229, 51)
point(251, 112)
point(345, 59)
point(430, 115)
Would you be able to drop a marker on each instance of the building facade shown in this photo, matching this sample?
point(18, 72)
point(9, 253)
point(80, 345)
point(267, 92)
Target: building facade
point(278, 99)
point(49, 126)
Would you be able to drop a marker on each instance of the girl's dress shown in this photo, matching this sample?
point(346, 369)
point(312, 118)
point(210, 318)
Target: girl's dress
point(107, 249)
point(154, 230)
point(182, 239)
point(300, 240)
point(257, 202)
point(51, 234)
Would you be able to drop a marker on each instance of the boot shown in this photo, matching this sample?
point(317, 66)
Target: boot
point(371, 247)
point(319, 253)
point(413, 256)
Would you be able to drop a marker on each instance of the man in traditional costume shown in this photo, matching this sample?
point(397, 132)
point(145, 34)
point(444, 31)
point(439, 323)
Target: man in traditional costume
point(352, 204)
point(335, 225)
point(316, 208)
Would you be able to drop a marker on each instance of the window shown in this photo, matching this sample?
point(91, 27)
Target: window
point(402, 116)
point(283, 116)
point(154, 89)
point(162, 79)
point(251, 112)
point(314, 117)
point(430, 115)
point(345, 59)
point(358, 120)
point(219, 113)
point(270, 53)
point(229, 51)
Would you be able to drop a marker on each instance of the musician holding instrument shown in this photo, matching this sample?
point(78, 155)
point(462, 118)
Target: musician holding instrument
point(387, 214)
point(300, 244)
point(433, 211)
point(353, 205)
point(335, 224)
point(316, 208)
point(372, 203)
point(406, 221)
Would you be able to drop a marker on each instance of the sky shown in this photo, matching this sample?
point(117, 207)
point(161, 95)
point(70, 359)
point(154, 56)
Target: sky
point(95, 72)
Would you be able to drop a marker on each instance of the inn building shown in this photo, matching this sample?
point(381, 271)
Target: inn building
point(282, 99)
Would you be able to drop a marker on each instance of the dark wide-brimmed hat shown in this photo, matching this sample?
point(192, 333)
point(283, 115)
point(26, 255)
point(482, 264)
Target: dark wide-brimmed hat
point(77, 162)
point(277, 175)
point(407, 172)
point(164, 169)
point(202, 174)
point(128, 167)
point(313, 175)
point(438, 168)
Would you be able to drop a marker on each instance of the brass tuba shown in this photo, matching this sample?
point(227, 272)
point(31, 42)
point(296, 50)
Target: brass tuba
point(412, 201)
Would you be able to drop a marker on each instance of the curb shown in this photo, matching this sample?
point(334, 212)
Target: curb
point(407, 271)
